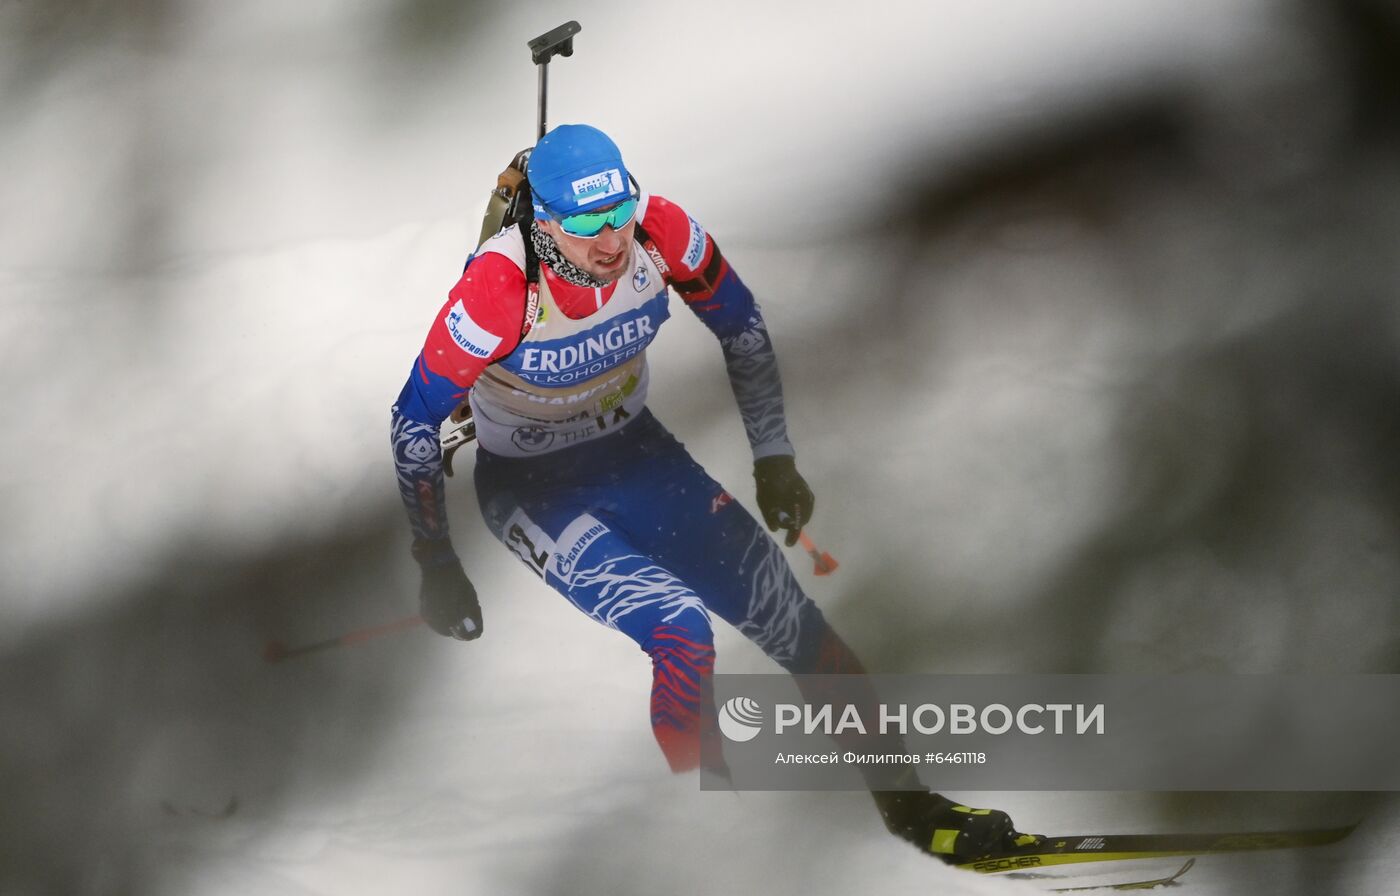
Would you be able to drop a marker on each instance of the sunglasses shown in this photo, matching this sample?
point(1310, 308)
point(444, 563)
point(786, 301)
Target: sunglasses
point(588, 225)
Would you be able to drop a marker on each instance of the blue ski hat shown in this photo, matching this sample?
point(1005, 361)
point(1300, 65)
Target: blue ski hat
point(576, 168)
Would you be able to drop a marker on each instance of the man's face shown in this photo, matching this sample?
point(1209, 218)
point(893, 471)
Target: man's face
point(605, 256)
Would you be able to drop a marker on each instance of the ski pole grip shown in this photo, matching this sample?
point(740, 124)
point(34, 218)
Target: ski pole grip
point(559, 42)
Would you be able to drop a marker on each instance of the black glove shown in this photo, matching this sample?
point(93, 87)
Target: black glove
point(447, 600)
point(783, 496)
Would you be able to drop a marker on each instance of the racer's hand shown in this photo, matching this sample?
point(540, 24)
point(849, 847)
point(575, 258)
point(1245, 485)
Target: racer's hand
point(446, 598)
point(448, 602)
point(783, 496)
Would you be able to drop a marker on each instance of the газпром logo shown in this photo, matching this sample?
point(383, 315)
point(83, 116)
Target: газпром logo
point(740, 718)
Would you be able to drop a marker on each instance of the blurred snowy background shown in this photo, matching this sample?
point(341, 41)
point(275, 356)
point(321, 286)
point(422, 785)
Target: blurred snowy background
point(1088, 325)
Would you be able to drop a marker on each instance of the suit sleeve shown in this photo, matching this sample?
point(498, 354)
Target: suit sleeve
point(480, 323)
point(713, 291)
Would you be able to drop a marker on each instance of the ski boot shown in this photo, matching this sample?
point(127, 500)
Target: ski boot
point(947, 830)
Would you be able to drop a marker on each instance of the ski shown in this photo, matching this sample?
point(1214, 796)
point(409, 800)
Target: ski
point(1052, 851)
point(1132, 884)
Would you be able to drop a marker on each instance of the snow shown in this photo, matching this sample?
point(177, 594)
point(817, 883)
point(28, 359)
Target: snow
point(1139, 417)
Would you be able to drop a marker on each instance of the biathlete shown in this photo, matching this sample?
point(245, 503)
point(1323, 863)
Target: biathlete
point(545, 335)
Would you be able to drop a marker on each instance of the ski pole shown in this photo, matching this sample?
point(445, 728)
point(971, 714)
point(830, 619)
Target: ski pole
point(823, 563)
point(559, 42)
point(276, 651)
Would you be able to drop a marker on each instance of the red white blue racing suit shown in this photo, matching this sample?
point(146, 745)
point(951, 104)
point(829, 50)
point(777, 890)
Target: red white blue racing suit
point(580, 481)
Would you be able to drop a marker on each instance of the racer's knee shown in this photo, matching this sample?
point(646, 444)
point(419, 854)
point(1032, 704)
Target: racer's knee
point(683, 649)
